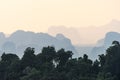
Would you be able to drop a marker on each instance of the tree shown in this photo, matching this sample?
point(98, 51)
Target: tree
point(115, 43)
point(102, 60)
point(112, 62)
point(28, 58)
point(63, 57)
point(9, 58)
point(96, 67)
point(8, 70)
point(45, 58)
point(33, 74)
point(48, 54)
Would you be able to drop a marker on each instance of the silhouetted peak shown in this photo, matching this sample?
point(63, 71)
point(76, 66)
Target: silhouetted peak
point(2, 35)
point(112, 34)
point(60, 36)
point(19, 31)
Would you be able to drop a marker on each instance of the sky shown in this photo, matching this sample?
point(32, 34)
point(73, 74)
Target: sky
point(39, 15)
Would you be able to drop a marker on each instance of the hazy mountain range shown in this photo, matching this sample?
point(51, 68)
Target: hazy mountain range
point(86, 35)
point(103, 44)
point(20, 40)
point(101, 37)
point(90, 40)
point(100, 47)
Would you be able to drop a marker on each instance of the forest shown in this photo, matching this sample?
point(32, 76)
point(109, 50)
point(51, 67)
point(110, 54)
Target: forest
point(60, 65)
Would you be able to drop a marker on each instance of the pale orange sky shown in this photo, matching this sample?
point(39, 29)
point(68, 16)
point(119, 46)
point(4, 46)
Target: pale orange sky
point(38, 15)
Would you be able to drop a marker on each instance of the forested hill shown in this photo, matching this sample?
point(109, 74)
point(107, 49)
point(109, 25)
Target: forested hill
point(59, 65)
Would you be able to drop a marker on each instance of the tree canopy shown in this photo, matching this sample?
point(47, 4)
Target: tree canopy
point(52, 64)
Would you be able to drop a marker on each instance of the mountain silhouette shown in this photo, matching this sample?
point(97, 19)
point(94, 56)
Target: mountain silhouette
point(19, 40)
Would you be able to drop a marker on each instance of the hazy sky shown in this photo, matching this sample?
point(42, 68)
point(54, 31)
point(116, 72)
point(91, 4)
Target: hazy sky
point(38, 15)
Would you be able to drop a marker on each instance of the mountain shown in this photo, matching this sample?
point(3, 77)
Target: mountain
point(84, 50)
point(111, 36)
point(20, 40)
point(103, 44)
point(100, 47)
point(86, 35)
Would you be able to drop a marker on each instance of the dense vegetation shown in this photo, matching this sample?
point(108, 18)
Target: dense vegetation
point(59, 65)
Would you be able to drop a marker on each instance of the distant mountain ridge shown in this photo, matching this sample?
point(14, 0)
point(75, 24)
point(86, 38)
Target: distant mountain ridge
point(19, 40)
point(86, 35)
point(103, 44)
point(111, 36)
